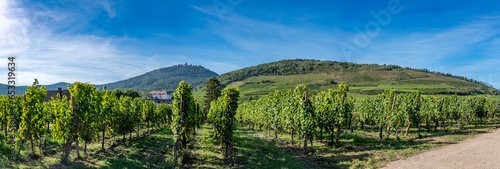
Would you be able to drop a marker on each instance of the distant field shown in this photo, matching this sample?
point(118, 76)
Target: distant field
point(363, 83)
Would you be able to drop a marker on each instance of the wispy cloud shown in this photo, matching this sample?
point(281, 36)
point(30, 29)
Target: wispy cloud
point(106, 5)
point(209, 11)
point(462, 50)
point(452, 50)
point(60, 41)
point(51, 55)
point(429, 47)
point(270, 41)
point(13, 30)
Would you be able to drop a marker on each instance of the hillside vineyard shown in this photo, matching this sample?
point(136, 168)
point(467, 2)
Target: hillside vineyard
point(92, 115)
point(294, 112)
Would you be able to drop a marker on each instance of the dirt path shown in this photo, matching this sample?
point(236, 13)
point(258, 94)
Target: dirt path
point(482, 151)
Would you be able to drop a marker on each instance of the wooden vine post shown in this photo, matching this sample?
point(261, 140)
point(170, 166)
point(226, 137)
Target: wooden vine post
point(437, 120)
point(29, 126)
point(75, 131)
point(305, 134)
point(415, 109)
point(5, 117)
point(177, 140)
point(339, 125)
point(229, 141)
point(392, 109)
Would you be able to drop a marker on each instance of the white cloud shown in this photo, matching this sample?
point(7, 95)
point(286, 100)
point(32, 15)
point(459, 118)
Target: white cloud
point(436, 49)
point(64, 56)
point(13, 30)
point(463, 50)
point(424, 48)
point(106, 5)
point(256, 40)
point(48, 48)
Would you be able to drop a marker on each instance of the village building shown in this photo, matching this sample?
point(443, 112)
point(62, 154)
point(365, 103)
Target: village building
point(53, 94)
point(160, 96)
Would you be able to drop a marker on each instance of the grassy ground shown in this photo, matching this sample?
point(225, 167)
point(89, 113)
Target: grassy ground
point(366, 150)
point(251, 152)
point(253, 149)
point(155, 151)
point(146, 151)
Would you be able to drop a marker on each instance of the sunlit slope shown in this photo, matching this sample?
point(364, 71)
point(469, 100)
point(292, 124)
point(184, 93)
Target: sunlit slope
point(365, 79)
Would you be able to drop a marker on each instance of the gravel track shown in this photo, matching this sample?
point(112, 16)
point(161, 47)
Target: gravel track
point(481, 151)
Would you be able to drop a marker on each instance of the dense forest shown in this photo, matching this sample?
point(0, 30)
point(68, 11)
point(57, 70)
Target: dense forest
point(165, 78)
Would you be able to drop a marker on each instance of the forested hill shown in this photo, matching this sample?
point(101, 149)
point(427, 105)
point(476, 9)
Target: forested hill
point(165, 78)
point(364, 78)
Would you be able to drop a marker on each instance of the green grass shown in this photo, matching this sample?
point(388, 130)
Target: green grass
point(250, 152)
point(155, 151)
point(366, 150)
point(253, 149)
point(147, 151)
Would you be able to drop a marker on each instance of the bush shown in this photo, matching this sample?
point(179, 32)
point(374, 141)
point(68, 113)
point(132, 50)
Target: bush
point(4, 148)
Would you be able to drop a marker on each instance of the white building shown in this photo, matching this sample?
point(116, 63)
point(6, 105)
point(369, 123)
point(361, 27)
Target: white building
point(160, 94)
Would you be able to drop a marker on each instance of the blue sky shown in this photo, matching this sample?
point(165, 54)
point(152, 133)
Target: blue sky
point(105, 41)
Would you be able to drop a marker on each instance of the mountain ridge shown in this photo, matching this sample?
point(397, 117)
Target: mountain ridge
point(166, 78)
point(365, 79)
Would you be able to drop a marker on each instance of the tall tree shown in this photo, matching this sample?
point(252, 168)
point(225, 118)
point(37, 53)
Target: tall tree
point(118, 93)
point(132, 93)
point(213, 92)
